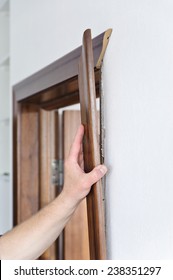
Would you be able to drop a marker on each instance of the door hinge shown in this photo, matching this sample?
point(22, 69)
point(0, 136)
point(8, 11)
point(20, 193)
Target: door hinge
point(58, 172)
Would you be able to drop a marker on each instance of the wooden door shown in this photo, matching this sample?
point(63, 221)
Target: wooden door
point(36, 147)
point(87, 94)
point(48, 152)
point(76, 242)
point(34, 99)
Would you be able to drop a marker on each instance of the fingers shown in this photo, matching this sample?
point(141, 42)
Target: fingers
point(76, 146)
point(96, 174)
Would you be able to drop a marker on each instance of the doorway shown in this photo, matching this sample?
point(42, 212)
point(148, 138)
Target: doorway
point(35, 136)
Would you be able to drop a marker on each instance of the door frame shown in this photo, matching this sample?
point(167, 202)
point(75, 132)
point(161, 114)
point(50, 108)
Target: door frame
point(34, 99)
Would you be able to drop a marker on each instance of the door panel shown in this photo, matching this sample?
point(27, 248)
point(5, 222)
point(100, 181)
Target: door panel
point(27, 165)
point(76, 243)
point(48, 152)
point(87, 94)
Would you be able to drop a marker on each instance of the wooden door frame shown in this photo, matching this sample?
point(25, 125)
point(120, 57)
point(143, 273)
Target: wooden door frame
point(34, 98)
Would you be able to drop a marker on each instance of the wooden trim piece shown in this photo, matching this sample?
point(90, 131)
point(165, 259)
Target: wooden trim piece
point(26, 167)
point(61, 95)
point(48, 152)
point(105, 43)
point(63, 69)
point(87, 95)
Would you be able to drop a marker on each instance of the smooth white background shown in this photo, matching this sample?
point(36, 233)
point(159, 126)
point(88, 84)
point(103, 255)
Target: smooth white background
point(138, 86)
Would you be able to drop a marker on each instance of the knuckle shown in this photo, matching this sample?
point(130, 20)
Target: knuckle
point(96, 174)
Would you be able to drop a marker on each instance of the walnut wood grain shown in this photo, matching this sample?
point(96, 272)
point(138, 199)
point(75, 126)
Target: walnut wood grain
point(48, 152)
point(76, 242)
point(87, 95)
point(27, 168)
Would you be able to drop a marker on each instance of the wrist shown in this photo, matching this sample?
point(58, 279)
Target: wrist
point(68, 203)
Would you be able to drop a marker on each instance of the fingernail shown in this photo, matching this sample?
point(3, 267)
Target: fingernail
point(103, 169)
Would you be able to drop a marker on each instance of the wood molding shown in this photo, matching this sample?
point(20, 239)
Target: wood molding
point(59, 71)
point(48, 151)
point(89, 119)
point(26, 149)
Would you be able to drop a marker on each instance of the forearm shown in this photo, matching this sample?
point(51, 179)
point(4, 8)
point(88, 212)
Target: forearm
point(31, 238)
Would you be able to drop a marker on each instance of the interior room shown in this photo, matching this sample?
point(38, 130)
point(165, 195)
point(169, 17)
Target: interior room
point(133, 87)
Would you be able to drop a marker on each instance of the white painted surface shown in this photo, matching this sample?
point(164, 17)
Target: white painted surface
point(4, 5)
point(4, 34)
point(138, 88)
point(5, 152)
point(4, 93)
point(5, 198)
point(6, 214)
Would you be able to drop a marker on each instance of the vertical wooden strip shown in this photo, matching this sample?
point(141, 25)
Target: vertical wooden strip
point(27, 162)
point(76, 242)
point(48, 136)
point(87, 95)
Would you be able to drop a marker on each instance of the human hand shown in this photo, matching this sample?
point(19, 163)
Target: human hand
point(77, 183)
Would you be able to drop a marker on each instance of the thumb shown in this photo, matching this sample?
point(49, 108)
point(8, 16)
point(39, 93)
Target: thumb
point(96, 174)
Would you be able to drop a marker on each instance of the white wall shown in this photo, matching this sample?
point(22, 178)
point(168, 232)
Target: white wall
point(138, 87)
point(5, 185)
